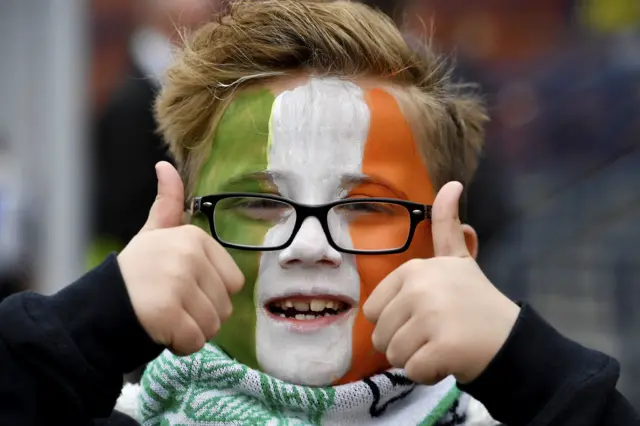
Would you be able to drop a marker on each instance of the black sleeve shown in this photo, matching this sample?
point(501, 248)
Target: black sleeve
point(540, 377)
point(62, 357)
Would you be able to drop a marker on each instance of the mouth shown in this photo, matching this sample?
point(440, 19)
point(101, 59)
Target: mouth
point(317, 310)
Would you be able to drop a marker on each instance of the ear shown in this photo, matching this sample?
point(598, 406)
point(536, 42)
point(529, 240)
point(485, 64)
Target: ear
point(471, 239)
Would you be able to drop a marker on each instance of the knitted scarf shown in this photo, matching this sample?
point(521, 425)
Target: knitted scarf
point(210, 388)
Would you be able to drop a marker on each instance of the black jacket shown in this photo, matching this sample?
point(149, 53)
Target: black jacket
point(62, 358)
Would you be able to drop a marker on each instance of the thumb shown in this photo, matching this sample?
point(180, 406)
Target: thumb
point(446, 229)
point(167, 209)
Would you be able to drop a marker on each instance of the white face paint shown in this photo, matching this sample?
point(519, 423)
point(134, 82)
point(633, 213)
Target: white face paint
point(318, 132)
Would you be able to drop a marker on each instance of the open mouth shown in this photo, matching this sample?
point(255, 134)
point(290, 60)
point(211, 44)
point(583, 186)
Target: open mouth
point(306, 308)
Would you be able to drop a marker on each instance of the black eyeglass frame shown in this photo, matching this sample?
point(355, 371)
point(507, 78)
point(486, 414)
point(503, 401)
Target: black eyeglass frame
point(207, 204)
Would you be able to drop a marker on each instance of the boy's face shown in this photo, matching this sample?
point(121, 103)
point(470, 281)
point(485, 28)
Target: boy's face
point(320, 140)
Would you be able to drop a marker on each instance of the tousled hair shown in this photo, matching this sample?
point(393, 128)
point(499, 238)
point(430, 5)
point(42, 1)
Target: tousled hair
point(258, 40)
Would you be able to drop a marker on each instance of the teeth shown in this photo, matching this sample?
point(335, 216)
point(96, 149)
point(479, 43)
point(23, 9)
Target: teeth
point(301, 306)
point(318, 305)
point(283, 316)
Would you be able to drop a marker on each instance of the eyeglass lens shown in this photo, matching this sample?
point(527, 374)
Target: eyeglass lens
point(264, 223)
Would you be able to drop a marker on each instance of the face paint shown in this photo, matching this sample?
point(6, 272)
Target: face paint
point(391, 154)
point(319, 133)
point(239, 148)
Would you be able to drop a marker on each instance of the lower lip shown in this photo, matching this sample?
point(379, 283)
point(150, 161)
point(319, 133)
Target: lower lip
point(308, 325)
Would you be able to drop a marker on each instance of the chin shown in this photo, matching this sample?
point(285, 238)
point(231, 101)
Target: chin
point(305, 351)
point(304, 321)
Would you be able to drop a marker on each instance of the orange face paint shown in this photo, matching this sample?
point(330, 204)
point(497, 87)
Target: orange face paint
point(391, 155)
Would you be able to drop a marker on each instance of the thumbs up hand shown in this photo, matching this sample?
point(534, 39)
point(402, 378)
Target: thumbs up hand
point(178, 277)
point(441, 316)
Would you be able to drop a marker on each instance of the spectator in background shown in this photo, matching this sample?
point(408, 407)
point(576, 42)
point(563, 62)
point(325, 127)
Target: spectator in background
point(14, 262)
point(127, 146)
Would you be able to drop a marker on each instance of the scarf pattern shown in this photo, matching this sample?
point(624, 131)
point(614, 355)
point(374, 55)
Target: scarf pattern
point(209, 389)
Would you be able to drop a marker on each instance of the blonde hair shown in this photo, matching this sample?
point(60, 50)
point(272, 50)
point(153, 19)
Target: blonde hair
point(262, 39)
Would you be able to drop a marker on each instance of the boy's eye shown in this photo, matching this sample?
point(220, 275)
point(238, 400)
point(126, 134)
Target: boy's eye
point(259, 204)
point(256, 208)
point(366, 207)
point(370, 209)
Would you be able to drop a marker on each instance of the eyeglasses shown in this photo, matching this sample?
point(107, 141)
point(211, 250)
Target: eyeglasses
point(262, 222)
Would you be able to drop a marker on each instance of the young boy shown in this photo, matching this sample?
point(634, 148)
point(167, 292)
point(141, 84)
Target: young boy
point(325, 282)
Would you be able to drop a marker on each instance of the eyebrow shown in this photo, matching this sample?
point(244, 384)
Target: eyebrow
point(268, 179)
point(264, 177)
point(355, 179)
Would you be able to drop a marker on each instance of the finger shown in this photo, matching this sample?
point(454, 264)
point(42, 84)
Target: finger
point(213, 288)
point(447, 231)
point(186, 338)
point(168, 208)
point(409, 338)
point(425, 366)
point(198, 305)
point(225, 265)
point(394, 315)
point(382, 295)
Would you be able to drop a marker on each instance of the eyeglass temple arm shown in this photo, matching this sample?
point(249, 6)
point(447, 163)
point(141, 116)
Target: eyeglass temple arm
point(190, 206)
point(427, 211)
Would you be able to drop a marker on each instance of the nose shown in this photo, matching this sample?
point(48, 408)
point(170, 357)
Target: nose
point(310, 248)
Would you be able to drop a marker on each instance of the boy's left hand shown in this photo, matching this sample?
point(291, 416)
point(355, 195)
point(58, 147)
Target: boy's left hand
point(441, 316)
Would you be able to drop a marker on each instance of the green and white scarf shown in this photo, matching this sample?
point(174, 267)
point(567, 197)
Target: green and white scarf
point(210, 388)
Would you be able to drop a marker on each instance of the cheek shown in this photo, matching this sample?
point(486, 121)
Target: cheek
point(366, 361)
point(237, 335)
point(374, 269)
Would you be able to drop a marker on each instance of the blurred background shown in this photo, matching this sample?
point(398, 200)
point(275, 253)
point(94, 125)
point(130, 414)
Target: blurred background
point(556, 201)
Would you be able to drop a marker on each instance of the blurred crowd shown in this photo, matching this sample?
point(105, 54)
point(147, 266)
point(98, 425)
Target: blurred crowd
point(556, 199)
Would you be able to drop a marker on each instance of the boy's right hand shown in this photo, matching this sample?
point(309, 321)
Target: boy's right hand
point(178, 277)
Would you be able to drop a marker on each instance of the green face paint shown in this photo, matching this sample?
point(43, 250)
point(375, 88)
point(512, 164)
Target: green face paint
point(240, 147)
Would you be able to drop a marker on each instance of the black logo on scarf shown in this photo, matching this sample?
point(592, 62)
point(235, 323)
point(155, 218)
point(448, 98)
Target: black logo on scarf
point(453, 417)
point(377, 409)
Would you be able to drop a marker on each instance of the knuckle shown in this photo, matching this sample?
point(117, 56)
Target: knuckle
point(175, 272)
point(418, 373)
point(415, 291)
point(239, 278)
point(213, 327)
point(226, 311)
point(177, 276)
point(192, 339)
point(193, 231)
point(377, 342)
point(422, 372)
point(234, 278)
point(394, 357)
point(413, 265)
point(168, 307)
point(189, 251)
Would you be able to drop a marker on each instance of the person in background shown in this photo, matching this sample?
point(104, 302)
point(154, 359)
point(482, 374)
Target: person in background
point(15, 265)
point(126, 143)
point(127, 146)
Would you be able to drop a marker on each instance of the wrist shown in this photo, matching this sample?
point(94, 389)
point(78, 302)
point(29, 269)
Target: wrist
point(501, 325)
point(97, 313)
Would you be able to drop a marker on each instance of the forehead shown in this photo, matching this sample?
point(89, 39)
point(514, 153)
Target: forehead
point(313, 138)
